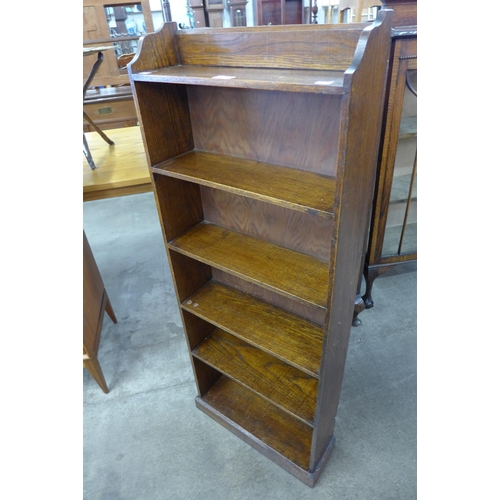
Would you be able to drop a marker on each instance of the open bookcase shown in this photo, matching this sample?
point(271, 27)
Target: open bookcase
point(262, 145)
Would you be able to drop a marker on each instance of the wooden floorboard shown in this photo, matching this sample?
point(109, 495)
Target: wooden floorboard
point(121, 169)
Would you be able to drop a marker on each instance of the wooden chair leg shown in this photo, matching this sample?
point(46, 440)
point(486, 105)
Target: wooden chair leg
point(94, 368)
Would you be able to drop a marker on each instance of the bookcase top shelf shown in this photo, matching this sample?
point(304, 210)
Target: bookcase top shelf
point(308, 58)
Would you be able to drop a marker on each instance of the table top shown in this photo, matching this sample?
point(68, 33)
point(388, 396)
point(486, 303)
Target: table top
point(88, 51)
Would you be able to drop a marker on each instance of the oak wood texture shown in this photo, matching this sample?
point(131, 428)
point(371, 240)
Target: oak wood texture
point(265, 421)
point(263, 162)
point(242, 123)
point(292, 274)
point(122, 169)
point(259, 371)
point(286, 336)
point(284, 186)
point(302, 232)
point(321, 82)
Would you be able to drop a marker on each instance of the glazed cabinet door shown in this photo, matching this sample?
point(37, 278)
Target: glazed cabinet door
point(393, 233)
point(400, 235)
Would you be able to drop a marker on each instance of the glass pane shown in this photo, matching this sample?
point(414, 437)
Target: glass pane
point(401, 228)
point(125, 21)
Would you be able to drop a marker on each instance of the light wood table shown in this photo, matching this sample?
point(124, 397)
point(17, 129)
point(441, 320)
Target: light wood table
point(121, 169)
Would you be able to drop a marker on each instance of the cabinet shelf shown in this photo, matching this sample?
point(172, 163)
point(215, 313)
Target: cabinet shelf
point(288, 273)
point(258, 421)
point(284, 335)
point(292, 80)
point(282, 384)
point(288, 187)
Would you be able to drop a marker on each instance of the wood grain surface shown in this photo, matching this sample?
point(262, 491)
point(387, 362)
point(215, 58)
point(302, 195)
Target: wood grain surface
point(288, 187)
point(290, 273)
point(271, 378)
point(284, 335)
point(274, 427)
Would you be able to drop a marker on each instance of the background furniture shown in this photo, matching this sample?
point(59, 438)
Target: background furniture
point(267, 12)
point(107, 22)
point(215, 10)
point(110, 108)
point(237, 12)
point(393, 229)
point(117, 24)
point(122, 169)
point(263, 191)
point(354, 10)
point(95, 302)
point(200, 19)
point(93, 72)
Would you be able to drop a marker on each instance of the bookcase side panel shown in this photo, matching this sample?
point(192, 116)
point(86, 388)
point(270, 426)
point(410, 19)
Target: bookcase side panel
point(165, 125)
point(360, 143)
point(179, 204)
point(189, 274)
point(205, 376)
point(292, 129)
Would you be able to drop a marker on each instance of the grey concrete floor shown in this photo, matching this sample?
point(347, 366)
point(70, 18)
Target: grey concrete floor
point(146, 440)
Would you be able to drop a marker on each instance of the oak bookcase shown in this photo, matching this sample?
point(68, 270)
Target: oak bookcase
point(262, 146)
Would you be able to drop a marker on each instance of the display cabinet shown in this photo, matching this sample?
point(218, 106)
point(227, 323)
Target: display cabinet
point(269, 12)
point(215, 11)
point(237, 12)
point(263, 163)
point(118, 24)
point(393, 230)
point(199, 19)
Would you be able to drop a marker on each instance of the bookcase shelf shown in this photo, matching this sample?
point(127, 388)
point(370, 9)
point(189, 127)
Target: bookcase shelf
point(288, 187)
point(286, 336)
point(259, 422)
point(314, 81)
point(263, 166)
point(258, 371)
point(289, 273)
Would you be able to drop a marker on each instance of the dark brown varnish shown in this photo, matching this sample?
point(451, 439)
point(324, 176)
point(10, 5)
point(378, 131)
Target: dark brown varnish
point(284, 335)
point(256, 416)
point(283, 186)
point(284, 385)
point(289, 273)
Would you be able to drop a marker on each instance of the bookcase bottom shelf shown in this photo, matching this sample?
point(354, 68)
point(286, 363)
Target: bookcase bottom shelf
point(271, 431)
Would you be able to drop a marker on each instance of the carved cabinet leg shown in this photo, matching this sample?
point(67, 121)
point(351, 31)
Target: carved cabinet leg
point(359, 306)
point(370, 275)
